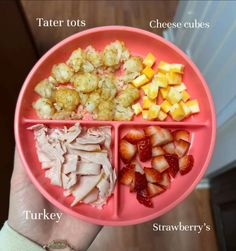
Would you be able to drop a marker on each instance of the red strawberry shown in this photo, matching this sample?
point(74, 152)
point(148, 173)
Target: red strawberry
point(160, 163)
point(161, 137)
point(143, 198)
point(140, 182)
point(157, 151)
point(126, 175)
point(144, 149)
point(173, 162)
point(127, 150)
point(186, 164)
point(134, 135)
point(152, 175)
point(165, 183)
point(150, 130)
point(181, 147)
point(169, 148)
point(138, 168)
point(154, 190)
point(181, 134)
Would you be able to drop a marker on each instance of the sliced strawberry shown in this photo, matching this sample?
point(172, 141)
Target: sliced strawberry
point(143, 198)
point(154, 190)
point(165, 183)
point(140, 182)
point(132, 185)
point(152, 175)
point(135, 135)
point(127, 175)
point(181, 147)
point(160, 163)
point(161, 137)
point(169, 148)
point(173, 162)
point(145, 149)
point(157, 151)
point(138, 168)
point(186, 164)
point(150, 130)
point(127, 150)
point(181, 134)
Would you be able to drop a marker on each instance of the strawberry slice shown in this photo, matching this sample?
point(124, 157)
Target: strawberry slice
point(157, 151)
point(138, 168)
point(152, 175)
point(140, 182)
point(169, 148)
point(173, 162)
point(127, 150)
point(160, 163)
point(161, 137)
point(134, 135)
point(145, 149)
point(143, 198)
point(165, 183)
point(150, 130)
point(127, 175)
point(186, 164)
point(181, 147)
point(154, 190)
point(181, 134)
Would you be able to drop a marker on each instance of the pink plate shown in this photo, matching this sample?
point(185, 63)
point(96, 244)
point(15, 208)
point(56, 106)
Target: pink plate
point(122, 207)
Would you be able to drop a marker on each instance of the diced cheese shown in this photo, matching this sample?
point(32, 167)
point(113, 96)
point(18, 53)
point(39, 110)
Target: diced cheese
point(180, 87)
point(152, 92)
point(137, 108)
point(163, 67)
point(153, 112)
point(174, 78)
point(164, 92)
point(185, 95)
point(165, 106)
point(185, 108)
point(148, 71)
point(149, 60)
point(145, 88)
point(177, 112)
point(162, 115)
point(193, 105)
point(173, 96)
point(140, 80)
point(145, 114)
point(147, 103)
point(179, 68)
point(161, 80)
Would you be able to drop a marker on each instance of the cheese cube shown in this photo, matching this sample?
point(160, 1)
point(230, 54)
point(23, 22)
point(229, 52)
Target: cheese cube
point(161, 80)
point(145, 114)
point(173, 96)
point(174, 78)
point(149, 60)
point(148, 71)
point(147, 103)
point(140, 80)
point(177, 112)
point(152, 92)
point(164, 92)
point(178, 68)
point(137, 108)
point(193, 105)
point(153, 112)
point(180, 87)
point(163, 67)
point(185, 96)
point(145, 88)
point(162, 116)
point(185, 108)
point(165, 106)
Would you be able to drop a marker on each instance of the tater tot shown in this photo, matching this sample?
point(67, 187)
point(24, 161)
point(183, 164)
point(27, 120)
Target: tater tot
point(85, 82)
point(107, 86)
point(133, 64)
point(44, 108)
point(93, 56)
point(128, 96)
point(92, 101)
point(105, 110)
point(62, 73)
point(123, 113)
point(76, 59)
point(45, 88)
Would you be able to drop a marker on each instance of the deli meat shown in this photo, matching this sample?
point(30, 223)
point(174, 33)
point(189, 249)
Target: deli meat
point(77, 159)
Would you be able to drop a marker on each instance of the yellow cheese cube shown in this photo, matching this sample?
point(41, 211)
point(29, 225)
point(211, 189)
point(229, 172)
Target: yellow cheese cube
point(147, 103)
point(162, 116)
point(180, 87)
point(178, 68)
point(148, 71)
point(174, 78)
point(140, 80)
point(185, 96)
point(163, 67)
point(152, 92)
point(173, 96)
point(193, 105)
point(137, 108)
point(149, 60)
point(165, 106)
point(185, 108)
point(145, 88)
point(161, 80)
point(153, 112)
point(177, 112)
point(164, 92)
point(145, 114)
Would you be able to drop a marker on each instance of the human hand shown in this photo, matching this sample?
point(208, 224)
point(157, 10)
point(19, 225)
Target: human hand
point(24, 196)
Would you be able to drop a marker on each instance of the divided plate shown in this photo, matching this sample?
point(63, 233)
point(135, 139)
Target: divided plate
point(122, 208)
